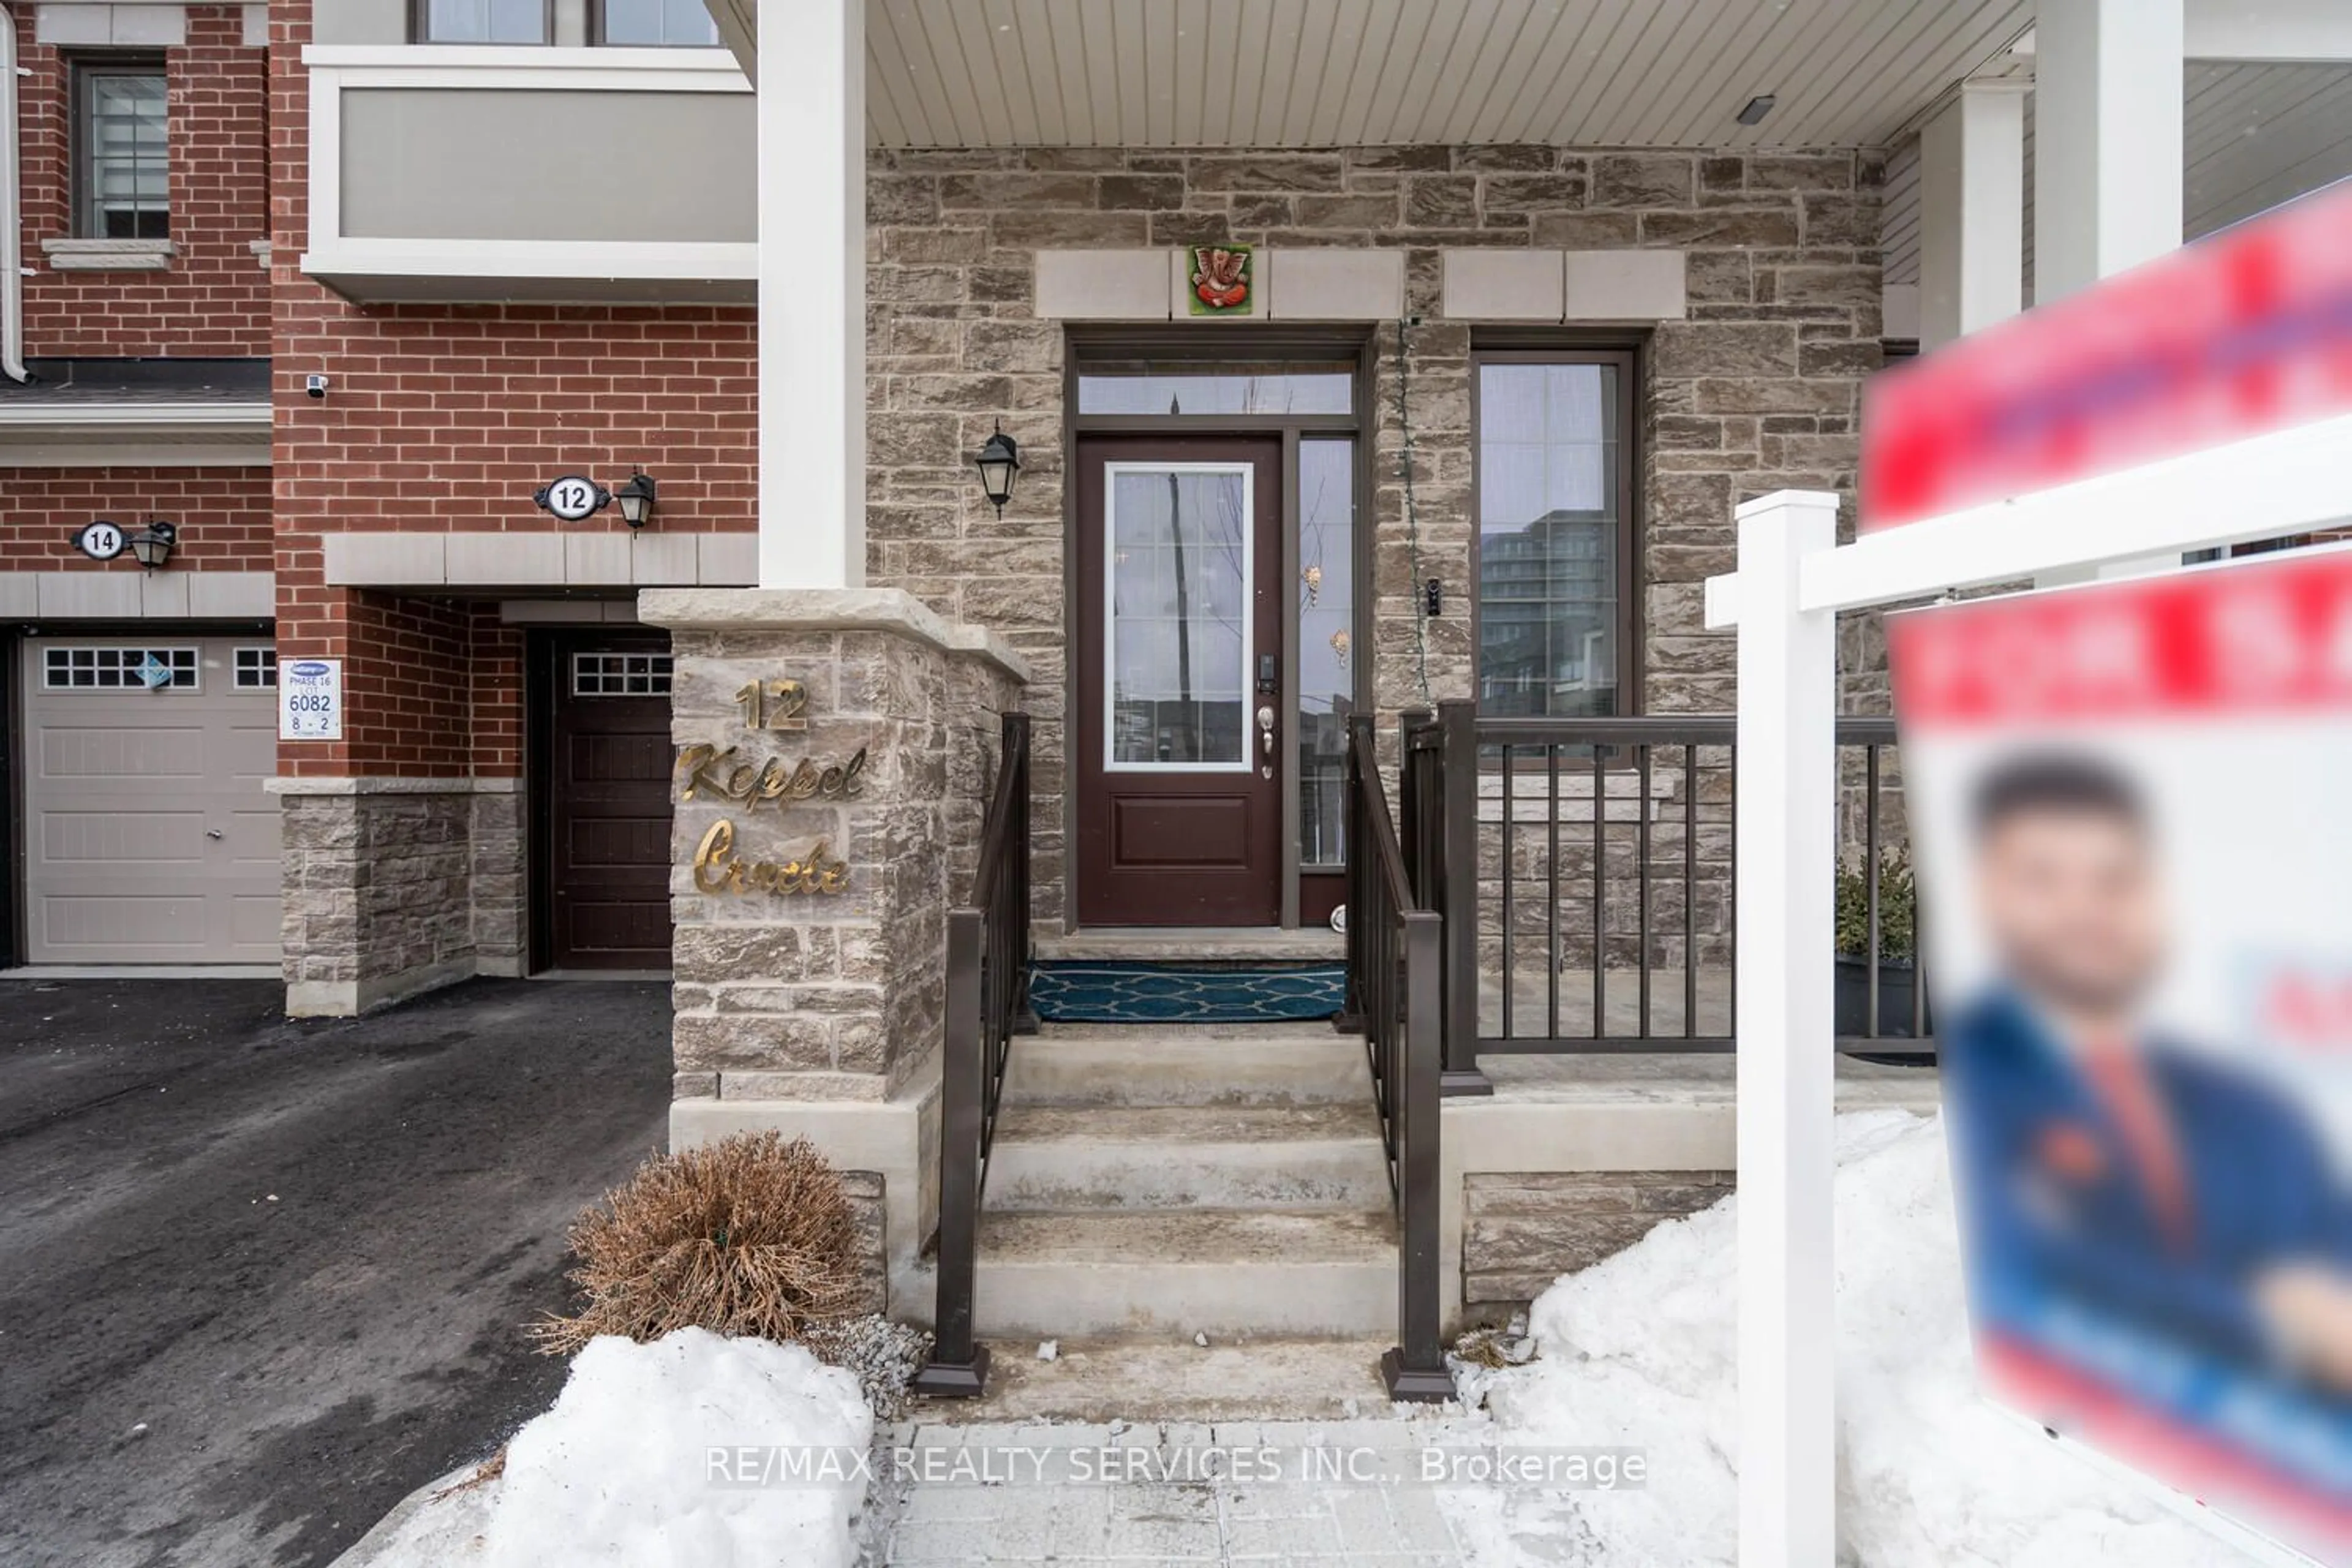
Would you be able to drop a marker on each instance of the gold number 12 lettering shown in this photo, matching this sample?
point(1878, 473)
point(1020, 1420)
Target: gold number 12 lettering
point(773, 704)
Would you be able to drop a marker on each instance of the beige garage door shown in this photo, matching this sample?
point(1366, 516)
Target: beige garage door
point(150, 839)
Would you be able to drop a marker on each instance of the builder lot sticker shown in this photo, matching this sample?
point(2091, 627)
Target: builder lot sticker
point(310, 700)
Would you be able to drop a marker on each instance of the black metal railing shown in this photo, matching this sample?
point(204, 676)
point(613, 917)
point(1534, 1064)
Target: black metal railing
point(1392, 997)
point(1585, 871)
point(987, 1003)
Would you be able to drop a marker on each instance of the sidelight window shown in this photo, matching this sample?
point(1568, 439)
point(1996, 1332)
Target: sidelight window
point(1555, 545)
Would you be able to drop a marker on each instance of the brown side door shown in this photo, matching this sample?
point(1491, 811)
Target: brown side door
point(1178, 564)
point(606, 847)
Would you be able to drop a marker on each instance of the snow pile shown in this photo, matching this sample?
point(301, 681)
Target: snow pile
point(618, 1473)
point(1640, 1349)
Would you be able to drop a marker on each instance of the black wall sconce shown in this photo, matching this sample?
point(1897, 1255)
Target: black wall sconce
point(635, 498)
point(153, 545)
point(999, 461)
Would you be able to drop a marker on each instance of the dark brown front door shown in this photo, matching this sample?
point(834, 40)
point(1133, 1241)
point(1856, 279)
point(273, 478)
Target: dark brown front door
point(608, 808)
point(1179, 641)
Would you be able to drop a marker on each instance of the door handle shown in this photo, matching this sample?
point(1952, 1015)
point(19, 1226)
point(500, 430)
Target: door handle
point(1266, 740)
point(214, 833)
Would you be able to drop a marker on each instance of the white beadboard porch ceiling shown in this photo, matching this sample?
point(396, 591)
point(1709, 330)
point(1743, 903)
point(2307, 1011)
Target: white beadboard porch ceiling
point(1315, 73)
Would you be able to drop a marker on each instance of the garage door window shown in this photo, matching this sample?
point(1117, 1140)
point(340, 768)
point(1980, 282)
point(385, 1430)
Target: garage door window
point(116, 669)
point(257, 669)
point(619, 675)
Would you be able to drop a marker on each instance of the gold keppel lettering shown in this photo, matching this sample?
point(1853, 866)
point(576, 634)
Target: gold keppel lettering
point(779, 780)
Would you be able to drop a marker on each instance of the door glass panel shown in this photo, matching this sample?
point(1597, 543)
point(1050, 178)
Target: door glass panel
point(1327, 654)
point(1177, 639)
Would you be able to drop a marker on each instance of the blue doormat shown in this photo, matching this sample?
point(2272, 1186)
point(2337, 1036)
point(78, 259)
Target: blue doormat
point(1097, 992)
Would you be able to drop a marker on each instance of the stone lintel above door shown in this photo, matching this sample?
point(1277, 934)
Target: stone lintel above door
point(1302, 284)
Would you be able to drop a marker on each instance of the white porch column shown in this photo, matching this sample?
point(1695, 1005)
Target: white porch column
point(2107, 159)
point(2108, 162)
point(1972, 211)
point(812, 135)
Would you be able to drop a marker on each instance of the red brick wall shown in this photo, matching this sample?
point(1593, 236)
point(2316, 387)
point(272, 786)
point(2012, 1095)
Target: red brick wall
point(213, 301)
point(494, 733)
point(223, 513)
point(445, 417)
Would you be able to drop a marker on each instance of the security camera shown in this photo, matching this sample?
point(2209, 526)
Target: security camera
point(316, 386)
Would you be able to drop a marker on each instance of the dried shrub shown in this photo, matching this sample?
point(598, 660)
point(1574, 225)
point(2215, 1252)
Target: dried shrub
point(747, 1235)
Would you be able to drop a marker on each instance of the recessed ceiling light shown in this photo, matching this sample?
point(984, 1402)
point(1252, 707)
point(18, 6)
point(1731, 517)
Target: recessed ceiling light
point(1758, 107)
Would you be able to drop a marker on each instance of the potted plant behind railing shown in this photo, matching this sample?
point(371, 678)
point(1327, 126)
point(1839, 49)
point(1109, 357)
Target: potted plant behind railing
point(1898, 951)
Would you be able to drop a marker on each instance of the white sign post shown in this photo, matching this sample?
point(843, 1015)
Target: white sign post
point(310, 700)
point(1785, 827)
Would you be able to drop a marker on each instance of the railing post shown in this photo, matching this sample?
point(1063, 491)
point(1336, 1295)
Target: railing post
point(1415, 1368)
point(959, 1365)
point(1015, 740)
point(1411, 788)
point(1356, 1004)
point(1457, 899)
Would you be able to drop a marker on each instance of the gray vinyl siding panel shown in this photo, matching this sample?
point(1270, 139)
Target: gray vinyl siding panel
point(525, 164)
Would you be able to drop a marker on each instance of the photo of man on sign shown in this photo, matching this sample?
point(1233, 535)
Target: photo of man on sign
point(2128, 802)
point(2110, 1162)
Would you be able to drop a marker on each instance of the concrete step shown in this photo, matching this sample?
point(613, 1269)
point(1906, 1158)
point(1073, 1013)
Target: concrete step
point(1248, 1381)
point(1182, 1157)
point(1168, 1275)
point(1192, 1065)
point(1194, 944)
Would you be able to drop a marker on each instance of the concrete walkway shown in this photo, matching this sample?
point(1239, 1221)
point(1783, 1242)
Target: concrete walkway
point(1251, 1493)
point(260, 1279)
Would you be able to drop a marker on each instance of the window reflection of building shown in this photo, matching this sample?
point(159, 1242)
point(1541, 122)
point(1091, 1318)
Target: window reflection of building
point(1550, 486)
point(1179, 582)
point(1546, 616)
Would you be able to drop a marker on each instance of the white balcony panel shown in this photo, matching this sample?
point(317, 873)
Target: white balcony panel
point(542, 174)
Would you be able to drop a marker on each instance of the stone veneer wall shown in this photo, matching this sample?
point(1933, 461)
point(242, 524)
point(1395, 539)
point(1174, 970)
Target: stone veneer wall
point(1757, 391)
point(378, 894)
point(1521, 1232)
point(501, 889)
point(840, 998)
point(865, 1192)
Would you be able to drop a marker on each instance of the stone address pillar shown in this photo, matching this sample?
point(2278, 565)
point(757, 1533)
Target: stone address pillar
point(811, 871)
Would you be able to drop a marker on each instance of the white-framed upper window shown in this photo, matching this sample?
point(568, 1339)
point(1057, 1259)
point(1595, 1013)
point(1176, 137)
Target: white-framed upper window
point(620, 674)
point(123, 174)
point(118, 669)
point(482, 21)
point(257, 669)
point(1177, 584)
point(656, 24)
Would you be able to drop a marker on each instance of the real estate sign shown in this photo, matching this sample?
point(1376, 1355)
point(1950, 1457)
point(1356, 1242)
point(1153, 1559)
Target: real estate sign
point(2132, 807)
point(2245, 332)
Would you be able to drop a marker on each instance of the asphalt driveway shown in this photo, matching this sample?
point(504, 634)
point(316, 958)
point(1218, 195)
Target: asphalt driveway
point(260, 1279)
